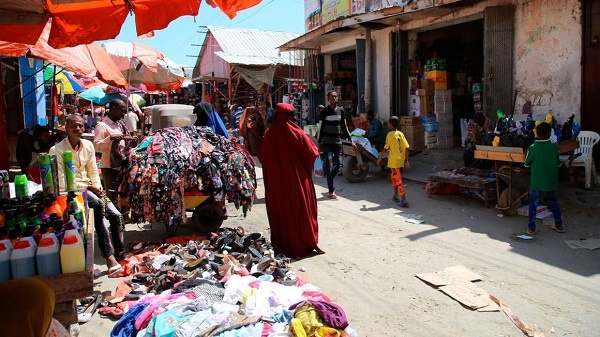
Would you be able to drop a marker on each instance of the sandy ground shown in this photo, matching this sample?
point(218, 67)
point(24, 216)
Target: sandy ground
point(373, 255)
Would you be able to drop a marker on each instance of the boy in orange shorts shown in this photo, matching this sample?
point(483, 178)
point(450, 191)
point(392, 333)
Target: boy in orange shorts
point(396, 145)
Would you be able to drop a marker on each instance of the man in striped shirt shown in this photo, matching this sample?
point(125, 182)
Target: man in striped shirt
point(333, 129)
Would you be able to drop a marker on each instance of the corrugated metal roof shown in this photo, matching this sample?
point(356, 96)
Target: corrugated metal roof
point(255, 47)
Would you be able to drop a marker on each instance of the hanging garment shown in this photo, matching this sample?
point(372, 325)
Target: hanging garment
point(252, 128)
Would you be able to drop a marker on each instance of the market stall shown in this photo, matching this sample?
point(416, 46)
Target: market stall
point(179, 168)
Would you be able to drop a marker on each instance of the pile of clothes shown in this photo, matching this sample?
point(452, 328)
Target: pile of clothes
point(231, 284)
point(180, 161)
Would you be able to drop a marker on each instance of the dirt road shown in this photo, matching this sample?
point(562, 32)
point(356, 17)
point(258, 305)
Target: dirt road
point(373, 255)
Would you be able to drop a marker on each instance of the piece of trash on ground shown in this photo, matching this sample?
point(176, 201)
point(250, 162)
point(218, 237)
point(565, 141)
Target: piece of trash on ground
point(301, 269)
point(520, 324)
point(500, 215)
point(589, 244)
point(469, 295)
point(415, 221)
point(321, 218)
point(525, 237)
point(450, 275)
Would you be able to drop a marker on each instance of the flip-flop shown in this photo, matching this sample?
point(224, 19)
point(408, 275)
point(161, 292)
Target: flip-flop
point(403, 204)
point(396, 200)
point(531, 232)
point(332, 196)
point(112, 311)
point(557, 229)
point(89, 310)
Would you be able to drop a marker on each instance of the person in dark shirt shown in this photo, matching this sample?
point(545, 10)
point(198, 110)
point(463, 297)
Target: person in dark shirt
point(333, 129)
point(375, 134)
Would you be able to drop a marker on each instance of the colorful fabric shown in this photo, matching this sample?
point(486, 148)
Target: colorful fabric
point(289, 190)
point(330, 313)
point(396, 143)
point(186, 160)
point(542, 157)
point(125, 325)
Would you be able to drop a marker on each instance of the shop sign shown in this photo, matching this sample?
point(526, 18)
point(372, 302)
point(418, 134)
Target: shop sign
point(375, 5)
point(358, 6)
point(312, 14)
point(333, 9)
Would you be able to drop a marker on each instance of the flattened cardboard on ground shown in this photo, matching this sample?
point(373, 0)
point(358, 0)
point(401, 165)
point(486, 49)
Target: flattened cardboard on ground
point(590, 244)
point(520, 324)
point(450, 275)
point(469, 295)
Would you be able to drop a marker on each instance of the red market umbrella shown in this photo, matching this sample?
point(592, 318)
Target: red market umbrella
point(85, 21)
point(86, 60)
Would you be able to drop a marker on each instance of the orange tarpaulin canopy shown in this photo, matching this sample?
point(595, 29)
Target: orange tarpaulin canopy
point(87, 60)
point(85, 21)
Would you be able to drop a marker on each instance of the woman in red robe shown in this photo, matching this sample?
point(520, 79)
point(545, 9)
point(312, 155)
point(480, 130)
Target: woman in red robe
point(287, 156)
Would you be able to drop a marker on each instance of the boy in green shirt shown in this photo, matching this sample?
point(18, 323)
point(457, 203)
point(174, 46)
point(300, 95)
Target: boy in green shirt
point(396, 144)
point(542, 158)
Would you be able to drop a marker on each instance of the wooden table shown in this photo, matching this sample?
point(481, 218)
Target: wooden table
point(484, 187)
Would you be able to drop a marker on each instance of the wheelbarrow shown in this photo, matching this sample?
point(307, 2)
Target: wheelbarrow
point(357, 161)
point(517, 191)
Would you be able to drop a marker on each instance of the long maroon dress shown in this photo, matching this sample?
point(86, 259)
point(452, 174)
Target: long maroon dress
point(287, 156)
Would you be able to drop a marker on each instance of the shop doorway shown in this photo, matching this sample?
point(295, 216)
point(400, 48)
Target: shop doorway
point(344, 79)
point(590, 100)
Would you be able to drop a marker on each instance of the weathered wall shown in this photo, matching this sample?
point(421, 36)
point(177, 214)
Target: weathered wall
point(210, 62)
point(547, 57)
point(381, 81)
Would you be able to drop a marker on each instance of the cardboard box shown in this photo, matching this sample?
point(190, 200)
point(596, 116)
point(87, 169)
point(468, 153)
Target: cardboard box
point(410, 120)
point(524, 211)
point(445, 131)
point(442, 107)
point(414, 67)
point(438, 76)
point(412, 128)
point(442, 95)
point(441, 85)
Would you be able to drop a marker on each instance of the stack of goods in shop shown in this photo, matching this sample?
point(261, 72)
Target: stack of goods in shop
point(442, 107)
point(231, 284)
point(430, 126)
point(185, 161)
point(435, 70)
point(413, 130)
point(477, 90)
point(41, 235)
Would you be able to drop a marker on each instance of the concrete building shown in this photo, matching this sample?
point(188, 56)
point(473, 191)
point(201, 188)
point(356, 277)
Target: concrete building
point(546, 52)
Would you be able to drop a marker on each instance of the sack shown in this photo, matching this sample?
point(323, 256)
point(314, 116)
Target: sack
point(319, 167)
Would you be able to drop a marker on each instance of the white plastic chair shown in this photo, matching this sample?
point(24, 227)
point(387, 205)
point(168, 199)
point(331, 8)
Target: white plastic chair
point(587, 140)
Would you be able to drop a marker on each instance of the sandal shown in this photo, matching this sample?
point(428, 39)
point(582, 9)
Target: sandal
point(403, 204)
point(531, 231)
point(557, 229)
point(86, 314)
point(396, 200)
point(332, 196)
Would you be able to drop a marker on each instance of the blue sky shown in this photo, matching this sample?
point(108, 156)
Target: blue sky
point(175, 41)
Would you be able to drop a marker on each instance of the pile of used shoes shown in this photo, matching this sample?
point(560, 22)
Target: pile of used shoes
point(231, 284)
point(185, 161)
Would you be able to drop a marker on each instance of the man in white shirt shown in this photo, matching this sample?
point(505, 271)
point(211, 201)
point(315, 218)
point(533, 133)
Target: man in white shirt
point(111, 129)
point(131, 122)
point(87, 178)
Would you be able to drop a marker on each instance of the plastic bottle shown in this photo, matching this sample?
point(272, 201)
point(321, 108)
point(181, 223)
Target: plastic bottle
point(48, 258)
point(72, 254)
point(5, 240)
point(70, 183)
point(4, 263)
point(28, 235)
point(52, 206)
point(46, 174)
point(76, 209)
point(58, 229)
point(46, 233)
point(14, 234)
point(22, 260)
point(32, 216)
point(21, 186)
